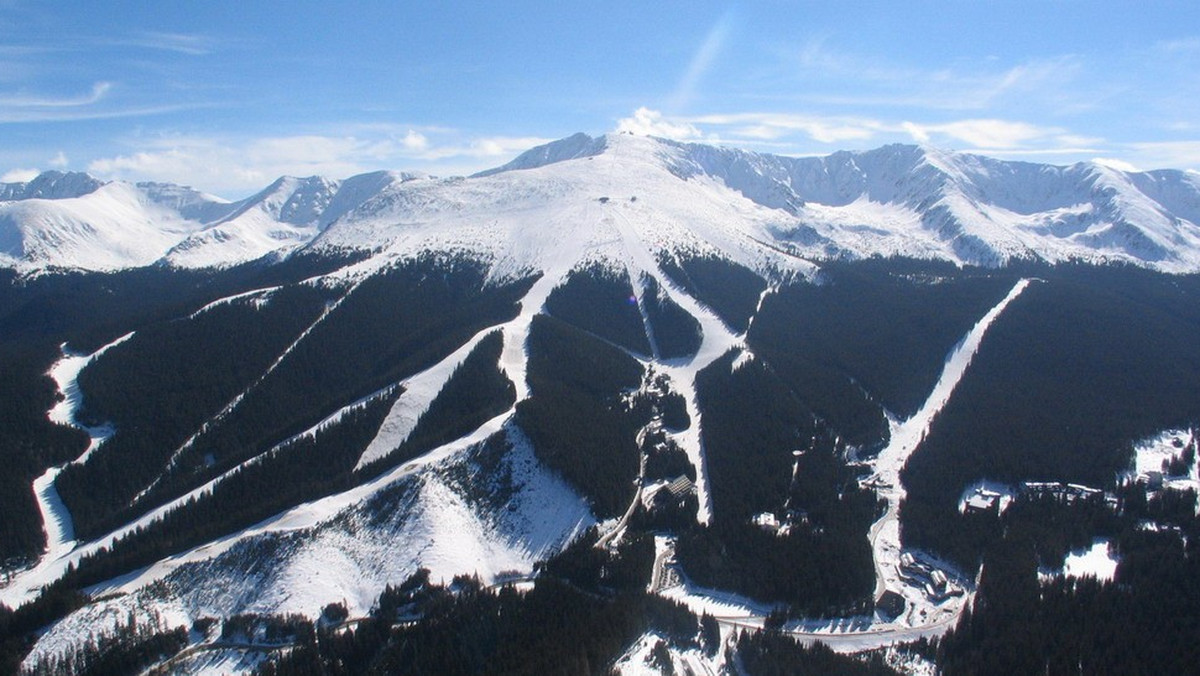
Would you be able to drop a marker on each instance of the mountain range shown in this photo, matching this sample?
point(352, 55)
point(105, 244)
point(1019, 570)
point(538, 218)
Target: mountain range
point(616, 405)
point(892, 201)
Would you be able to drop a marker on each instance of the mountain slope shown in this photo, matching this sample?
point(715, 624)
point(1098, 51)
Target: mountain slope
point(896, 200)
point(466, 374)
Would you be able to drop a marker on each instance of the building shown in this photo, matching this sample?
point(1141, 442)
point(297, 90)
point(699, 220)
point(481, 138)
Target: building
point(890, 604)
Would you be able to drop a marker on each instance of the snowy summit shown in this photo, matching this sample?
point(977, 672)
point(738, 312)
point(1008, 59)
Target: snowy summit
point(912, 201)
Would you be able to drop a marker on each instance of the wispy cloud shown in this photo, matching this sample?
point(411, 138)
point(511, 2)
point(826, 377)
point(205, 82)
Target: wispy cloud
point(1165, 154)
point(235, 166)
point(701, 62)
point(982, 134)
point(773, 126)
point(38, 115)
point(181, 43)
point(825, 74)
point(99, 90)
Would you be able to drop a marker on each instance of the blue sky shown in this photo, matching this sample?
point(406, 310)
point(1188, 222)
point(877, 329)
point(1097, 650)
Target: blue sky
point(226, 96)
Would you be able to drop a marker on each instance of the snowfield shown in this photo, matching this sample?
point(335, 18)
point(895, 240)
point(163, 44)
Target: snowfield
point(896, 200)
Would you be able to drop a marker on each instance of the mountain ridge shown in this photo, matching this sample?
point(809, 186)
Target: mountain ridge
point(896, 200)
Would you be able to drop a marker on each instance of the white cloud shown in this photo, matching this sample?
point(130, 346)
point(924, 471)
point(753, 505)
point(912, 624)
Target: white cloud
point(1113, 163)
point(415, 141)
point(233, 167)
point(59, 161)
point(19, 175)
point(1166, 154)
point(221, 165)
point(981, 134)
point(646, 122)
point(99, 90)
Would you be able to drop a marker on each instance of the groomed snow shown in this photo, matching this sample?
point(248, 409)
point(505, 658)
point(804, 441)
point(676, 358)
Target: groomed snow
point(56, 519)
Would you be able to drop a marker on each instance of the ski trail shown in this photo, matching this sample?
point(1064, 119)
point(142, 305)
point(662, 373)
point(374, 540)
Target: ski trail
point(716, 340)
point(420, 391)
point(906, 436)
point(265, 291)
point(56, 518)
point(24, 586)
point(173, 461)
point(302, 516)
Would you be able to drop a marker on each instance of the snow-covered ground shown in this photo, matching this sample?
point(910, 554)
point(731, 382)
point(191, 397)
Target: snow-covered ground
point(638, 661)
point(548, 221)
point(347, 548)
point(56, 519)
point(1152, 454)
point(923, 616)
point(1097, 560)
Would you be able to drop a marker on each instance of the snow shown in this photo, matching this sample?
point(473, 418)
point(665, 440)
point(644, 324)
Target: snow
point(1097, 560)
point(56, 519)
point(636, 661)
point(346, 548)
point(542, 216)
point(895, 200)
point(1151, 453)
point(419, 392)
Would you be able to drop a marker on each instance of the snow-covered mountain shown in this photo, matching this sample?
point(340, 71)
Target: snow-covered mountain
point(656, 339)
point(896, 200)
point(79, 222)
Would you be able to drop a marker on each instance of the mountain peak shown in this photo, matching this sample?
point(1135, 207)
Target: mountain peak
point(569, 148)
point(51, 185)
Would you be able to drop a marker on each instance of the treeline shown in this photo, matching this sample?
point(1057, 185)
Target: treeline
point(29, 443)
point(85, 310)
point(388, 327)
point(820, 563)
point(477, 391)
point(587, 606)
point(90, 309)
point(600, 300)
point(869, 334)
point(1076, 369)
point(20, 628)
point(576, 416)
point(305, 469)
